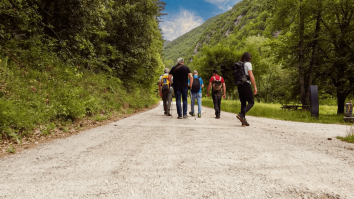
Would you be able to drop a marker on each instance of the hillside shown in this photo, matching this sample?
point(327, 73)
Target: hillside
point(63, 62)
point(165, 43)
point(245, 19)
point(181, 47)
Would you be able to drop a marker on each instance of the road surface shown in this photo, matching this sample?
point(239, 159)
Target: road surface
point(150, 155)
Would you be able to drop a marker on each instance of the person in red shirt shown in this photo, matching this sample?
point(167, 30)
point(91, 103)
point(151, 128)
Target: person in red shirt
point(218, 84)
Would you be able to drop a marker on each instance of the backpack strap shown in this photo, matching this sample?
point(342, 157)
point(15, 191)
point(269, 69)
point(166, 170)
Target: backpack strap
point(178, 67)
point(220, 79)
point(214, 78)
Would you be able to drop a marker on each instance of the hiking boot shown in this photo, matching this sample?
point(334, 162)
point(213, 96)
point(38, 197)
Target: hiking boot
point(242, 122)
point(199, 115)
point(165, 113)
point(192, 114)
point(179, 117)
point(185, 116)
point(242, 119)
point(246, 123)
point(217, 117)
point(168, 114)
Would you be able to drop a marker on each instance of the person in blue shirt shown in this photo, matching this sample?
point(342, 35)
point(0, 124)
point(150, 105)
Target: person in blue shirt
point(196, 94)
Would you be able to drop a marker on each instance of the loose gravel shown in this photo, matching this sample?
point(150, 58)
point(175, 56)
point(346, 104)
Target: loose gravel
point(150, 155)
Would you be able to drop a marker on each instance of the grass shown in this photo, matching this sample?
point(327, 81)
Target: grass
point(11, 149)
point(55, 95)
point(328, 114)
point(349, 136)
point(100, 118)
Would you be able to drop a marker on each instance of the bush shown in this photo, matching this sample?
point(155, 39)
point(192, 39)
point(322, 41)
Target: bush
point(60, 93)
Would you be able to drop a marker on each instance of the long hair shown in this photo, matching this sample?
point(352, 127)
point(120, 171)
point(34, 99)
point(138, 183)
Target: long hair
point(246, 57)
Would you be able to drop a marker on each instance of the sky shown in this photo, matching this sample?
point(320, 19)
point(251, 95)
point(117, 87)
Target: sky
point(185, 15)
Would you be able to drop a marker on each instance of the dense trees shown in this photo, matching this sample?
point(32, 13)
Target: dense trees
point(118, 36)
point(295, 43)
point(324, 33)
point(62, 60)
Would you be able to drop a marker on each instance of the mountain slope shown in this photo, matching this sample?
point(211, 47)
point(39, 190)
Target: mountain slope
point(245, 19)
point(181, 47)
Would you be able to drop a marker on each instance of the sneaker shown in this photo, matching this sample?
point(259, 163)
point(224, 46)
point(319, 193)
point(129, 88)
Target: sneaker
point(192, 114)
point(199, 115)
point(179, 117)
point(184, 116)
point(168, 114)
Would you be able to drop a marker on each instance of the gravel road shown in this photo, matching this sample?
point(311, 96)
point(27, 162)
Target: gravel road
point(150, 155)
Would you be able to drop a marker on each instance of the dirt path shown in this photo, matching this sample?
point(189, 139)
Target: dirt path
point(150, 155)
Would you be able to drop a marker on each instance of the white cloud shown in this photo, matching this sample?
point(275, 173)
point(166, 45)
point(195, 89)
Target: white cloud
point(224, 5)
point(217, 1)
point(179, 24)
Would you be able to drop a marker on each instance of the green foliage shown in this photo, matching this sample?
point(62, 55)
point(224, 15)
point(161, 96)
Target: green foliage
point(11, 149)
point(62, 60)
point(33, 99)
point(293, 44)
point(116, 36)
point(327, 113)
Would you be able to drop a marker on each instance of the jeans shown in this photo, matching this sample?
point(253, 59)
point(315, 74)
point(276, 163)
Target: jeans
point(184, 92)
point(246, 95)
point(217, 102)
point(197, 96)
point(167, 98)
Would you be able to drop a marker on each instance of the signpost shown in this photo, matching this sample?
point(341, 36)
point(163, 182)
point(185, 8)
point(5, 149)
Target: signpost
point(315, 105)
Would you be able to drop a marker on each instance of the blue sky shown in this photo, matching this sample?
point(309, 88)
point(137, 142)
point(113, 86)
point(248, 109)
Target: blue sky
point(185, 15)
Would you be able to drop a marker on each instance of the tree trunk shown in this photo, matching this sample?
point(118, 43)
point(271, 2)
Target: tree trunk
point(314, 58)
point(301, 57)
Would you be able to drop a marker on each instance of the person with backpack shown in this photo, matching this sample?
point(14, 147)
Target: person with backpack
point(165, 90)
point(180, 74)
point(218, 84)
point(196, 94)
point(244, 77)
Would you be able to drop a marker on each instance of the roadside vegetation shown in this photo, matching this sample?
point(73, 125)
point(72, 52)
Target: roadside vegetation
point(61, 61)
point(57, 96)
point(349, 135)
point(328, 114)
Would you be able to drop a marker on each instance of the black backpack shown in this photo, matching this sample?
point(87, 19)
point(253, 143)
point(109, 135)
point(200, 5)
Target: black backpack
point(195, 85)
point(240, 76)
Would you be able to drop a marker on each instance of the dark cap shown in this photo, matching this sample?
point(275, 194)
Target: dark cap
point(215, 71)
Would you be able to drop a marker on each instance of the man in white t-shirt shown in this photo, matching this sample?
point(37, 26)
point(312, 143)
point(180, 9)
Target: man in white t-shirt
point(245, 90)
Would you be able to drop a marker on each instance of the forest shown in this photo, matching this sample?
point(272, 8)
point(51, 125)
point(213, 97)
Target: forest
point(294, 44)
point(64, 60)
point(61, 61)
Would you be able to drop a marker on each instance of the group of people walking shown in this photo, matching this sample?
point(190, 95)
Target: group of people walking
point(180, 79)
